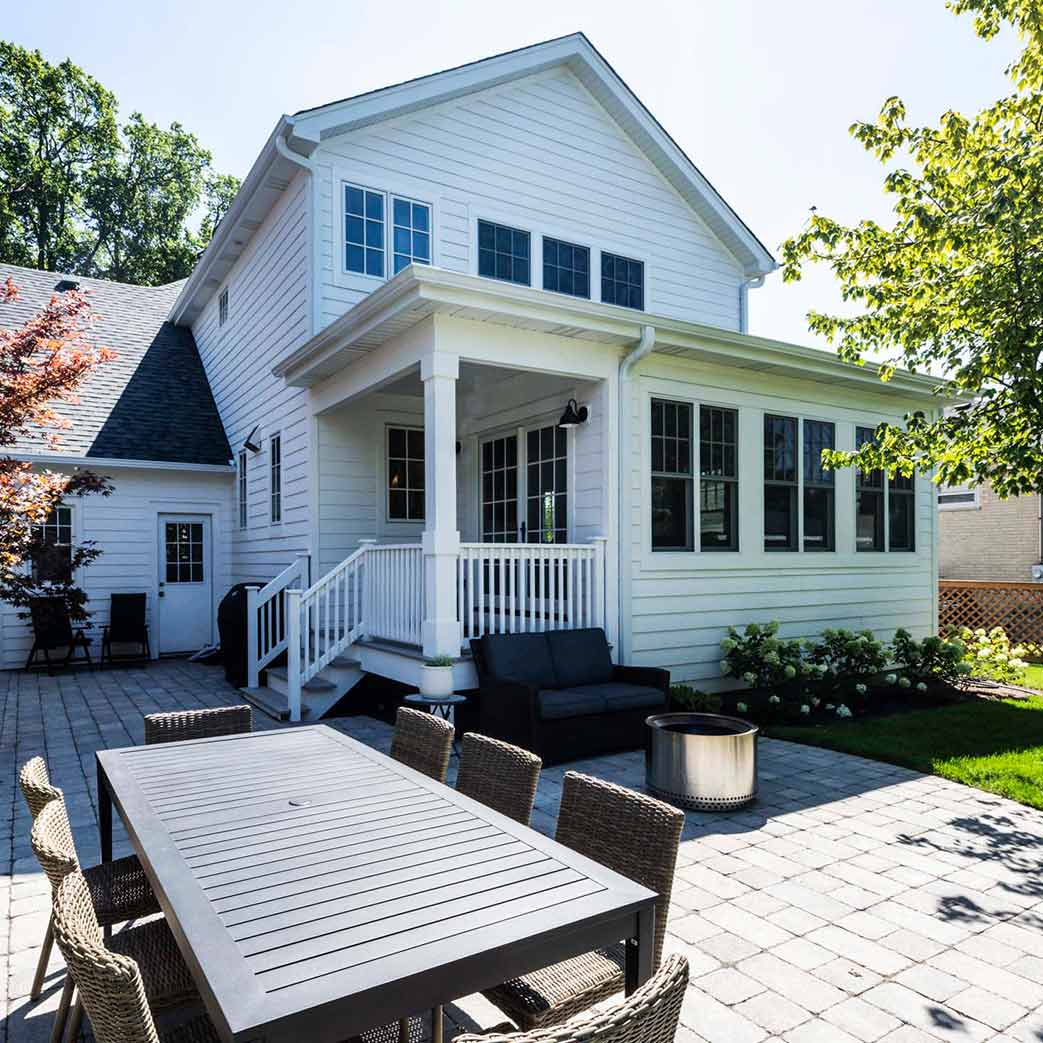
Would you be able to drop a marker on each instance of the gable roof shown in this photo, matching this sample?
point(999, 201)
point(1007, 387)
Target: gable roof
point(306, 129)
point(152, 402)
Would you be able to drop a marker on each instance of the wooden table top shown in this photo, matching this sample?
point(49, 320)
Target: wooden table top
point(318, 888)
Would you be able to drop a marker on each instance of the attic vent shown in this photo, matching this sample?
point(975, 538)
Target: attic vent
point(67, 284)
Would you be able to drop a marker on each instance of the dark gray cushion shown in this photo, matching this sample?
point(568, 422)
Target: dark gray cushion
point(580, 657)
point(556, 704)
point(524, 658)
point(618, 695)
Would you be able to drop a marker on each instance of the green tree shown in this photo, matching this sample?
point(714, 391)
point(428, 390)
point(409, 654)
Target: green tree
point(953, 284)
point(80, 193)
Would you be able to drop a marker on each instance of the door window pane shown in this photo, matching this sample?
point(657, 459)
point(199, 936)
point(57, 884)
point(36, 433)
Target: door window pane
point(500, 490)
point(547, 488)
point(183, 542)
point(405, 474)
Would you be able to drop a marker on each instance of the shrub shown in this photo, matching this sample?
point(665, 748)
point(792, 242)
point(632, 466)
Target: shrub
point(990, 654)
point(932, 659)
point(691, 699)
point(847, 660)
point(758, 658)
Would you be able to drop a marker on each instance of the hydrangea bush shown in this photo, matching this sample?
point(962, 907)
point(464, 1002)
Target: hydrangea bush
point(933, 659)
point(989, 653)
point(759, 658)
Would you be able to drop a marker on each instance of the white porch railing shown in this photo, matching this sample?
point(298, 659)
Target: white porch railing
point(394, 607)
point(266, 618)
point(524, 587)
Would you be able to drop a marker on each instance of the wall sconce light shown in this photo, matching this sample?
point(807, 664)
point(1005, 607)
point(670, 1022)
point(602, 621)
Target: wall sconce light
point(574, 415)
point(249, 443)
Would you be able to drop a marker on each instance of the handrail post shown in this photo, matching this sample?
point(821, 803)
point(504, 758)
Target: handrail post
point(252, 653)
point(600, 605)
point(293, 653)
point(366, 600)
point(304, 570)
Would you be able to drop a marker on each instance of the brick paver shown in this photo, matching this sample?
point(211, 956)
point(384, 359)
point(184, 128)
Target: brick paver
point(855, 901)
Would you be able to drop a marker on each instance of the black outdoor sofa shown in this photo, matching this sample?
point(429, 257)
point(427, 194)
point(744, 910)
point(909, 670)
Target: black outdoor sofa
point(559, 694)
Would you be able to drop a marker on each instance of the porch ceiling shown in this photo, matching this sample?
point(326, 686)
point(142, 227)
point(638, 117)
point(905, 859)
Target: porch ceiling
point(420, 291)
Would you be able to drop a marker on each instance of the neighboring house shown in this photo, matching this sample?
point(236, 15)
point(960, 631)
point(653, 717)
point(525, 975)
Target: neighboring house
point(394, 317)
point(982, 537)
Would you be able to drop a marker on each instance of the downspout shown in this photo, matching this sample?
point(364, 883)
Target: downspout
point(752, 283)
point(624, 541)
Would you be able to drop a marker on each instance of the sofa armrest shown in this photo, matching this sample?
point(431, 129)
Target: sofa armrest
point(507, 711)
point(650, 676)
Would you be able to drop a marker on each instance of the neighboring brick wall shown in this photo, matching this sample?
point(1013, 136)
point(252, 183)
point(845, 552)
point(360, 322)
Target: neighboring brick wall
point(998, 541)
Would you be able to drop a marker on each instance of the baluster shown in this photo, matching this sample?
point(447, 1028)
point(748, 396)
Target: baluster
point(559, 590)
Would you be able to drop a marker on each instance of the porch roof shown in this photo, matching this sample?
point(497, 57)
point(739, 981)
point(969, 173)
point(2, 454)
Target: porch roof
point(421, 291)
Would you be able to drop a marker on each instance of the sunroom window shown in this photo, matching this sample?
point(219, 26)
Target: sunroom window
point(504, 253)
point(869, 501)
point(819, 493)
point(410, 233)
point(780, 483)
point(363, 231)
point(718, 478)
point(901, 502)
point(672, 527)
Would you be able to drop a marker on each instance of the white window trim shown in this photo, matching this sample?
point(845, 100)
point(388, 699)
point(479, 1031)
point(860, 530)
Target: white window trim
point(917, 534)
point(273, 437)
point(74, 538)
point(390, 208)
point(962, 505)
point(242, 491)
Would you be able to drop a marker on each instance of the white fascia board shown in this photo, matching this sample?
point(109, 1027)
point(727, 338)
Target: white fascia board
point(108, 463)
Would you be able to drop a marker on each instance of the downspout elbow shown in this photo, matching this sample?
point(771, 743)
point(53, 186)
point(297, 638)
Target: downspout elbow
point(643, 347)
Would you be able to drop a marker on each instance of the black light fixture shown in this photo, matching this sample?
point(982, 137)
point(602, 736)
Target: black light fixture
point(249, 443)
point(574, 415)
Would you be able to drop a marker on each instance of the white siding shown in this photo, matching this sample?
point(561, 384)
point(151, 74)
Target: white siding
point(268, 317)
point(124, 525)
point(541, 154)
point(682, 604)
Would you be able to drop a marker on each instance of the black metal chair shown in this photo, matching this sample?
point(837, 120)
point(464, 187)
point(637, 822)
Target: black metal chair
point(126, 626)
point(53, 630)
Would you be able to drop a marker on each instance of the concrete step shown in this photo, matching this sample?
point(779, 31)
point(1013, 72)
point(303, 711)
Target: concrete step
point(267, 701)
point(277, 680)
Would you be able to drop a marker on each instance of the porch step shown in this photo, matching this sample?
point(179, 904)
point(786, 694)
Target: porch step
point(316, 684)
point(268, 702)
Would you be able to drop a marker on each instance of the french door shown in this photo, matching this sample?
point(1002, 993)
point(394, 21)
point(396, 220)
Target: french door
point(524, 487)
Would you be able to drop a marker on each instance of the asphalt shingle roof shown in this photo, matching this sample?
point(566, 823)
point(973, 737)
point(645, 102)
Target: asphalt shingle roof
point(153, 401)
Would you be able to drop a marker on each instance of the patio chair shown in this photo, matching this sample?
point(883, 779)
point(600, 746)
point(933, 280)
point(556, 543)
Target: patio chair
point(121, 984)
point(628, 832)
point(126, 626)
point(423, 742)
point(649, 1015)
point(120, 888)
point(118, 891)
point(198, 724)
point(500, 776)
point(52, 630)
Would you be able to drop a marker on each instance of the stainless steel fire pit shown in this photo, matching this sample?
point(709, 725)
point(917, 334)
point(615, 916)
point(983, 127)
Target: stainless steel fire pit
point(702, 760)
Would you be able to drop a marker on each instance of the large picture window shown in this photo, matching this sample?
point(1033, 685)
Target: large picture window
point(819, 492)
point(52, 557)
point(718, 478)
point(405, 474)
point(869, 501)
point(780, 482)
point(672, 472)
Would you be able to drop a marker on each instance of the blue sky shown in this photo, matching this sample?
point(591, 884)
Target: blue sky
point(759, 93)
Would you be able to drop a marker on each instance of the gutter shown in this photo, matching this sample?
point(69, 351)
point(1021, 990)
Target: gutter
point(624, 566)
point(94, 462)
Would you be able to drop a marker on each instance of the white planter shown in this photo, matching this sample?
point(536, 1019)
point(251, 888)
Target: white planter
point(436, 681)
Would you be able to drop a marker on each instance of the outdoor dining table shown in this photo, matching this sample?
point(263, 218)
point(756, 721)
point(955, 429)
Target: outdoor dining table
point(317, 888)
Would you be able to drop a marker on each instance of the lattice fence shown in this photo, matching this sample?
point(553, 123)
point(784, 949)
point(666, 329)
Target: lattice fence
point(1017, 607)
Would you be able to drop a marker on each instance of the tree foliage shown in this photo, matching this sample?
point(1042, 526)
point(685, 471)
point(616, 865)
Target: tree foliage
point(953, 284)
point(42, 364)
point(81, 193)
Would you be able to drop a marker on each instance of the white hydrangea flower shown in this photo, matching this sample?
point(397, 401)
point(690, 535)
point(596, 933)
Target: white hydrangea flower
point(790, 672)
point(861, 689)
point(921, 687)
point(904, 682)
point(830, 706)
point(891, 679)
point(843, 711)
point(774, 700)
point(749, 677)
point(740, 707)
point(805, 709)
point(725, 667)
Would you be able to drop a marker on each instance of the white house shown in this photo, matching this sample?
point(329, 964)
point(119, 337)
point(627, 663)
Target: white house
point(409, 291)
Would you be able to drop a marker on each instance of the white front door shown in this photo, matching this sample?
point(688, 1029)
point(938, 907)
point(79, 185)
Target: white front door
point(185, 588)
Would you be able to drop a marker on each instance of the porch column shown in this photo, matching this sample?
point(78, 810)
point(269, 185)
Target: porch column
point(441, 631)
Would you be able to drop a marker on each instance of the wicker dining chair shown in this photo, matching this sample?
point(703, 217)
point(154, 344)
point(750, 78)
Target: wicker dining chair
point(635, 835)
point(114, 983)
point(649, 1015)
point(198, 724)
point(423, 742)
point(120, 889)
point(500, 776)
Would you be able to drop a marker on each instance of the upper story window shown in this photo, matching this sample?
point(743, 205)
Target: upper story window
point(410, 233)
point(958, 498)
point(819, 493)
point(364, 231)
point(242, 489)
point(622, 281)
point(869, 501)
point(566, 267)
point(672, 527)
point(275, 477)
point(781, 482)
point(222, 307)
point(718, 478)
point(504, 253)
point(52, 555)
point(405, 474)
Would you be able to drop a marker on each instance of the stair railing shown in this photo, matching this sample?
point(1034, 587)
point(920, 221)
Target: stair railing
point(267, 632)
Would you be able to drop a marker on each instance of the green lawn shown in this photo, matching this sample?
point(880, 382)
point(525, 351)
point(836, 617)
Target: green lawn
point(1034, 676)
point(996, 746)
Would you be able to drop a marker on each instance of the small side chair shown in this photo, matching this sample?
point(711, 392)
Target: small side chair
point(198, 724)
point(53, 631)
point(500, 776)
point(126, 626)
point(423, 742)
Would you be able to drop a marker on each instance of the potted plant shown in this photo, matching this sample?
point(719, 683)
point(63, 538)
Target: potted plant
point(436, 678)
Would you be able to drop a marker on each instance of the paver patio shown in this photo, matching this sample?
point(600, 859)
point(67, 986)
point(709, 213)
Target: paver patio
point(855, 902)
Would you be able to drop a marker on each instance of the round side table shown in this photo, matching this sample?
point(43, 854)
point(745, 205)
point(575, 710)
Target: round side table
point(440, 705)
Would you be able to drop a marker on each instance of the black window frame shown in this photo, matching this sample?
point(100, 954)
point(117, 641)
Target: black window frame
point(677, 477)
point(612, 284)
point(901, 489)
point(560, 259)
point(275, 477)
point(719, 468)
point(412, 493)
point(818, 483)
point(222, 307)
point(774, 482)
point(869, 488)
point(496, 251)
point(242, 481)
point(55, 533)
